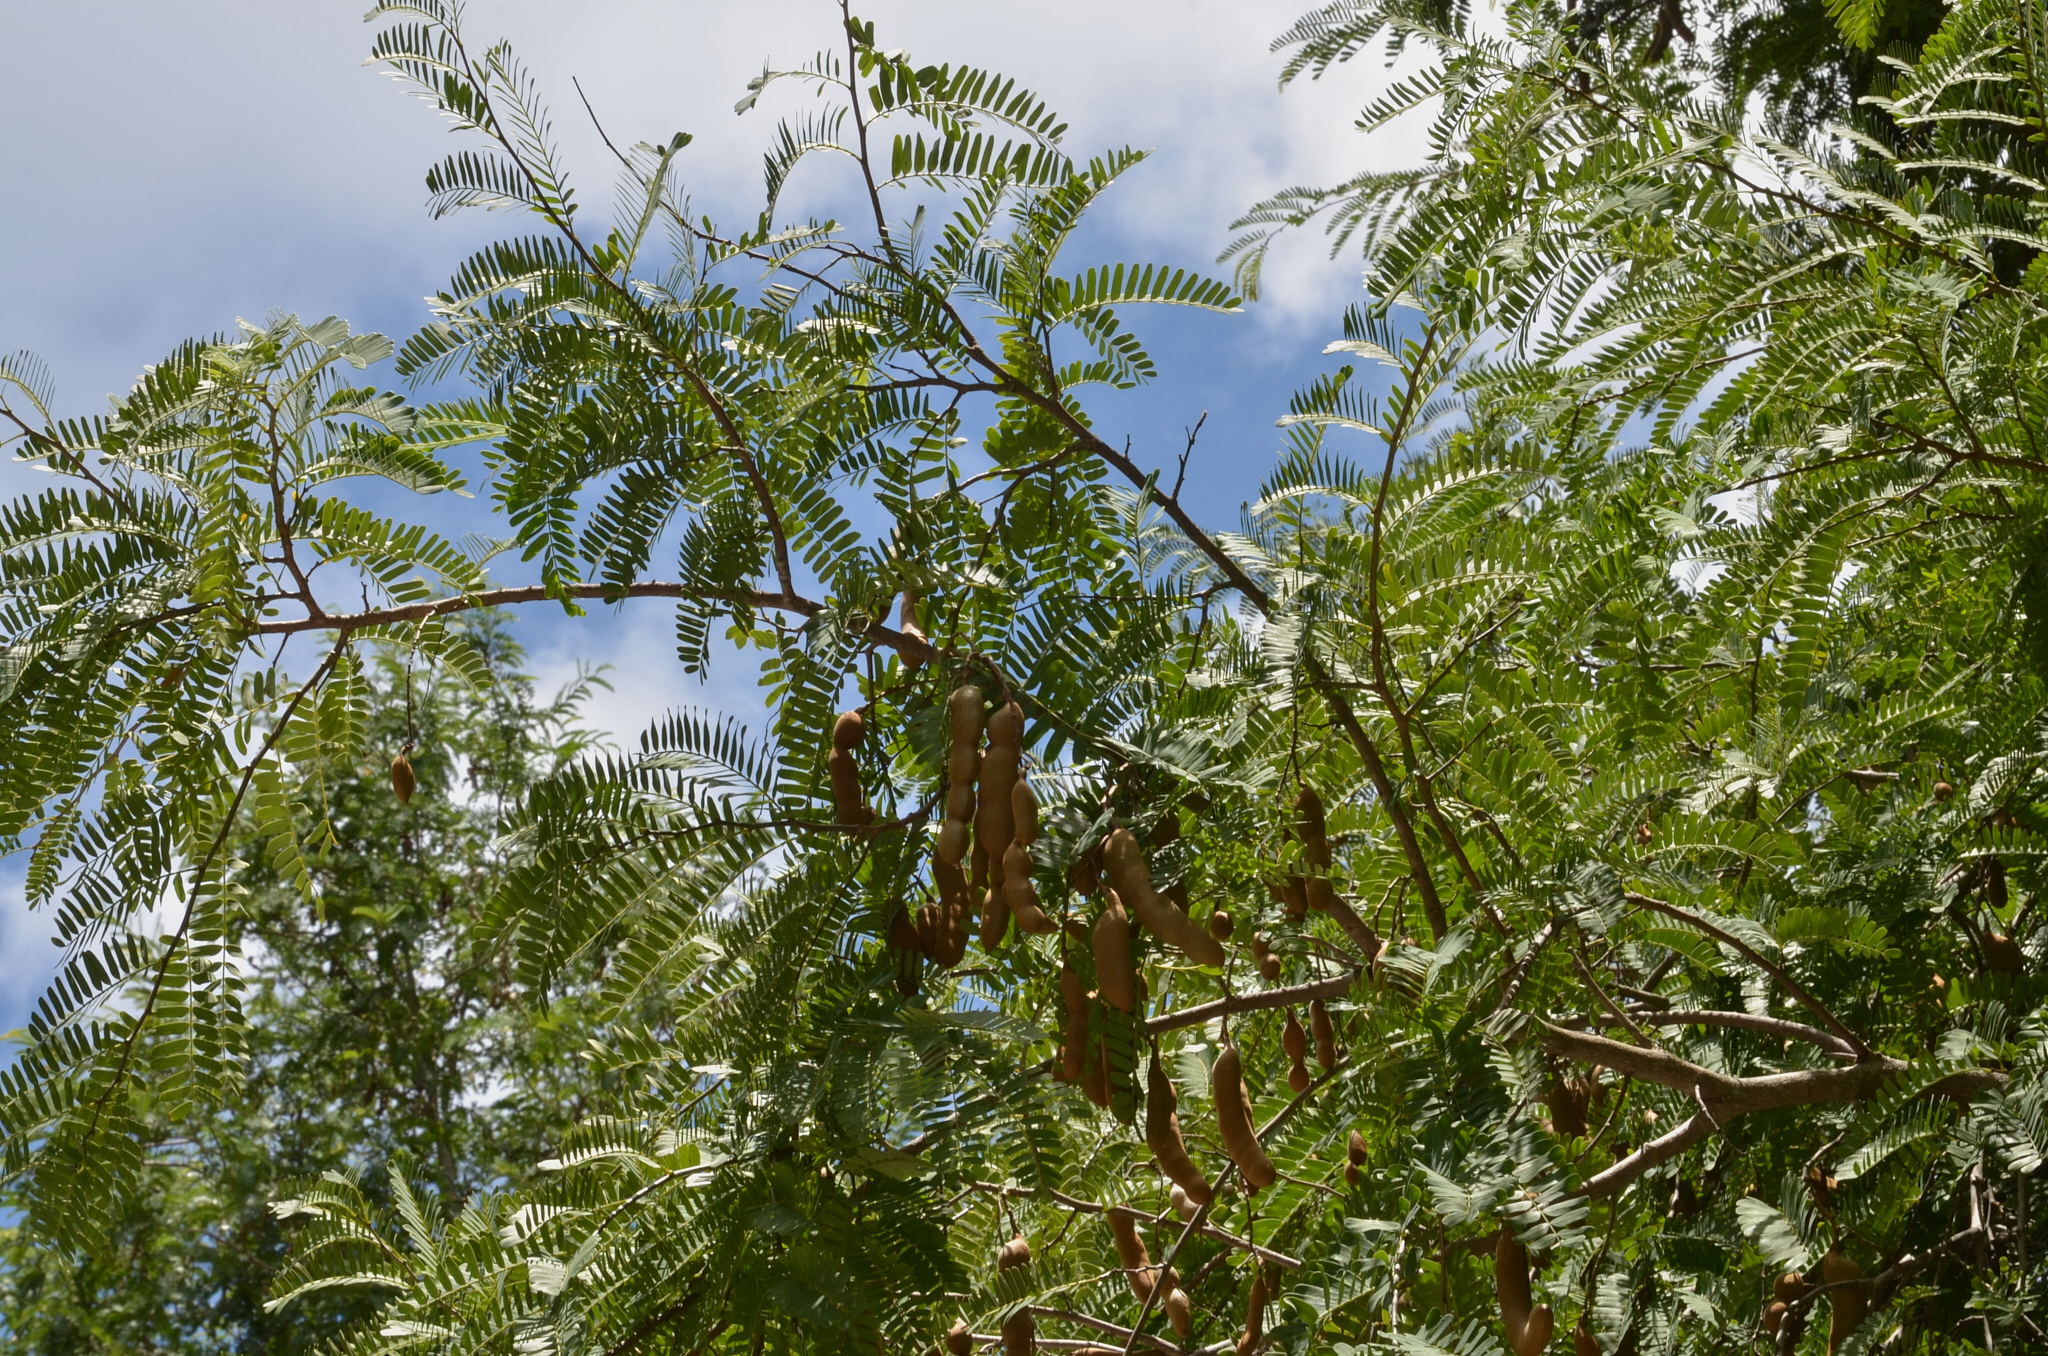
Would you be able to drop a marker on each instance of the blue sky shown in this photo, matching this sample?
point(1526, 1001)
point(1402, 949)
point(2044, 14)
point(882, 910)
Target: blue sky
point(174, 168)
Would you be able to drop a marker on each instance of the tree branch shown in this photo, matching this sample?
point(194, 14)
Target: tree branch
point(1334, 987)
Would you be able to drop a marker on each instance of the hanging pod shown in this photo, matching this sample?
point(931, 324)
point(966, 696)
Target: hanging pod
point(1234, 1120)
point(906, 622)
point(1325, 1033)
point(403, 783)
point(963, 719)
point(1163, 1137)
point(1112, 947)
point(1528, 1327)
point(1137, 1263)
point(1254, 1314)
point(848, 808)
point(1124, 863)
point(1847, 1304)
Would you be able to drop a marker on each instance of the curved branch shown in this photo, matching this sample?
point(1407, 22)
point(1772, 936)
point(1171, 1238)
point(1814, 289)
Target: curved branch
point(1748, 1021)
point(1334, 987)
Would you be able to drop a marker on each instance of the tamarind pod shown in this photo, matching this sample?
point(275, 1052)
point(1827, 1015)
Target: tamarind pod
point(1021, 895)
point(1023, 812)
point(1567, 1102)
point(1180, 1313)
point(963, 769)
point(1074, 1052)
point(1020, 1334)
point(903, 932)
point(929, 924)
point(1774, 1316)
point(949, 934)
point(1163, 1137)
point(1221, 925)
point(1125, 865)
point(1790, 1287)
point(1112, 947)
point(1130, 1250)
point(1355, 1150)
point(1298, 1077)
point(849, 730)
point(1847, 1305)
point(960, 796)
point(1352, 1176)
point(963, 715)
point(1528, 1329)
point(1013, 1254)
point(995, 915)
point(959, 1340)
point(1269, 967)
point(1325, 1033)
point(2002, 955)
point(1254, 1315)
point(906, 622)
point(1176, 894)
point(847, 806)
point(1183, 1204)
point(954, 839)
point(1234, 1120)
point(1313, 828)
point(1321, 895)
point(994, 824)
point(1288, 893)
point(1006, 725)
point(1095, 1072)
point(1075, 931)
point(1293, 1039)
point(403, 782)
point(1585, 1344)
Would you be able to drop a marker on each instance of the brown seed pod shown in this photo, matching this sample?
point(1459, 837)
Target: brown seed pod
point(1013, 1254)
point(903, 932)
point(2002, 955)
point(1312, 827)
point(995, 914)
point(1355, 1150)
point(1943, 791)
point(1567, 1098)
point(1289, 894)
point(1163, 1137)
point(963, 718)
point(1774, 1316)
point(1220, 925)
point(1020, 1334)
point(848, 808)
point(1322, 896)
point(948, 936)
point(1325, 1033)
point(959, 1340)
point(1789, 1288)
point(1183, 1204)
point(1112, 946)
point(1846, 1305)
point(1124, 864)
point(1180, 1313)
point(1528, 1328)
point(1021, 896)
point(906, 622)
point(1352, 1176)
point(1024, 811)
point(1130, 1250)
point(1262, 952)
point(1234, 1120)
point(849, 730)
point(1254, 1315)
point(1584, 1343)
point(994, 821)
point(1074, 1051)
point(1293, 1039)
point(403, 783)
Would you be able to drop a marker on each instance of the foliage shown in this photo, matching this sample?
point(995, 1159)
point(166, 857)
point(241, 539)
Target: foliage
point(376, 1034)
point(1663, 645)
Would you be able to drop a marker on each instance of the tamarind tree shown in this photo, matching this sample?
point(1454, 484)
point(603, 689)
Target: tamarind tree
point(1622, 737)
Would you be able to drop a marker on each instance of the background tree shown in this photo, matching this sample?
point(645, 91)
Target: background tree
point(376, 1033)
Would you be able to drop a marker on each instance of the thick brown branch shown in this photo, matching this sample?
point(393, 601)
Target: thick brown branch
point(1659, 1150)
point(1334, 987)
point(1748, 1021)
point(1099, 1325)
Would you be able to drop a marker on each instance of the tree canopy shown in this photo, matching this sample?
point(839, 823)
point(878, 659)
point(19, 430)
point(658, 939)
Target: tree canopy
point(1561, 869)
